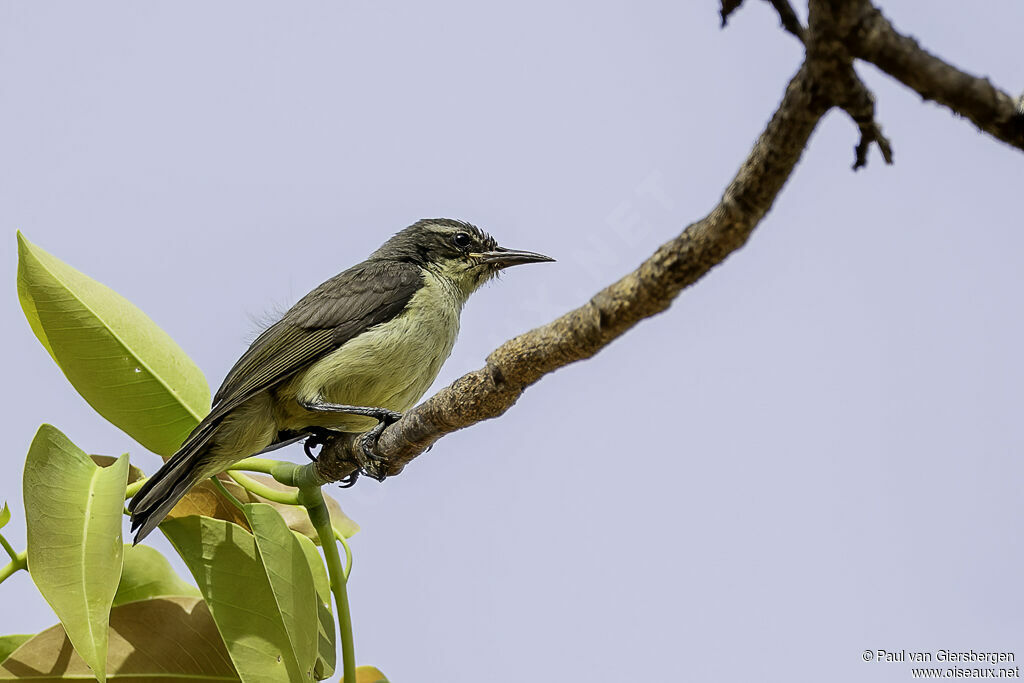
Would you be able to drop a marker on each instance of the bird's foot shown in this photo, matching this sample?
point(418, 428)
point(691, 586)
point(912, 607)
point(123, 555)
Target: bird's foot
point(371, 464)
point(315, 441)
point(349, 480)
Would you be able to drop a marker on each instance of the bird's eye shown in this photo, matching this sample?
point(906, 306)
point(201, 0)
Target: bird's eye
point(461, 240)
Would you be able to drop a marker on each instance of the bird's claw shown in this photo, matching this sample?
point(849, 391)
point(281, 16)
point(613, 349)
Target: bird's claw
point(316, 440)
point(349, 480)
point(372, 464)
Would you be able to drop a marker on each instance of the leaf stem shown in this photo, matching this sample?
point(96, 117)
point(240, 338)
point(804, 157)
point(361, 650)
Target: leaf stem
point(8, 548)
point(261, 465)
point(134, 487)
point(348, 551)
point(18, 561)
point(227, 494)
point(280, 470)
point(313, 499)
point(264, 491)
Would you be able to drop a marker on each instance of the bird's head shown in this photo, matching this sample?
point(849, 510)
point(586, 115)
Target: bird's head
point(455, 250)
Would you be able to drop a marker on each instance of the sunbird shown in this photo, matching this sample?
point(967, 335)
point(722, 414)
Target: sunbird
point(350, 356)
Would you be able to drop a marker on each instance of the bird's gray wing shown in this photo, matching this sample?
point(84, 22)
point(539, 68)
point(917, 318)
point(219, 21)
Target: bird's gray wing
point(338, 310)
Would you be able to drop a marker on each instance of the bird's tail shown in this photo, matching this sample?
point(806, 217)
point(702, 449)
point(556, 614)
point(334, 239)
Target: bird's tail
point(170, 483)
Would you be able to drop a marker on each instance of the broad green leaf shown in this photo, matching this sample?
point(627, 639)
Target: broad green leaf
point(28, 305)
point(5, 516)
point(326, 649)
point(119, 360)
point(166, 639)
point(321, 580)
point(73, 514)
point(226, 563)
point(368, 674)
point(148, 574)
point(291, 580)
point(9, 644)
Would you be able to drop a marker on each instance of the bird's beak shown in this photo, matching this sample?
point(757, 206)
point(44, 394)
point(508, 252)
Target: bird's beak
point(501, 257)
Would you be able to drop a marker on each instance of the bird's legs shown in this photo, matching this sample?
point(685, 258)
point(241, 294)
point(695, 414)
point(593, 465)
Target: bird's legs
point(371, 463)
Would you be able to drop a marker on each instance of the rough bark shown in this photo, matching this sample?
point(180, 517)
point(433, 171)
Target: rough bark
point(990, 109)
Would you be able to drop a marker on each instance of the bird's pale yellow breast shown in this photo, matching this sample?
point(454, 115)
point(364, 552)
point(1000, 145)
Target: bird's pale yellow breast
point(412, 347)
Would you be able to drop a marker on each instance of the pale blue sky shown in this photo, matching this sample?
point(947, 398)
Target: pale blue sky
point(816, 451)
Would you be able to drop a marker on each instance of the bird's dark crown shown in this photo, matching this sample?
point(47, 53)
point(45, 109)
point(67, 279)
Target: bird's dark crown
point(435, 239)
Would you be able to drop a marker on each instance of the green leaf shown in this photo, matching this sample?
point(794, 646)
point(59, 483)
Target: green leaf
point(5, 516)
point(148, 574)
point(126, 367)
point(166, 639)
point(326, 650)
point(246, 585)
point(73, 514)
point(290, 578)
point(9, 644)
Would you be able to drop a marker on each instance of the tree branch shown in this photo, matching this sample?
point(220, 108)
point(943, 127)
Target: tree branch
point(831, 22)
point(838, 32)
point(650, 289)
point(852, 94)
point(728, 7)
point(790, 21)
point(989, 108)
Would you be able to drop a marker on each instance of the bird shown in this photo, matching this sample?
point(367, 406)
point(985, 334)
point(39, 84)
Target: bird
point(350, 356)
